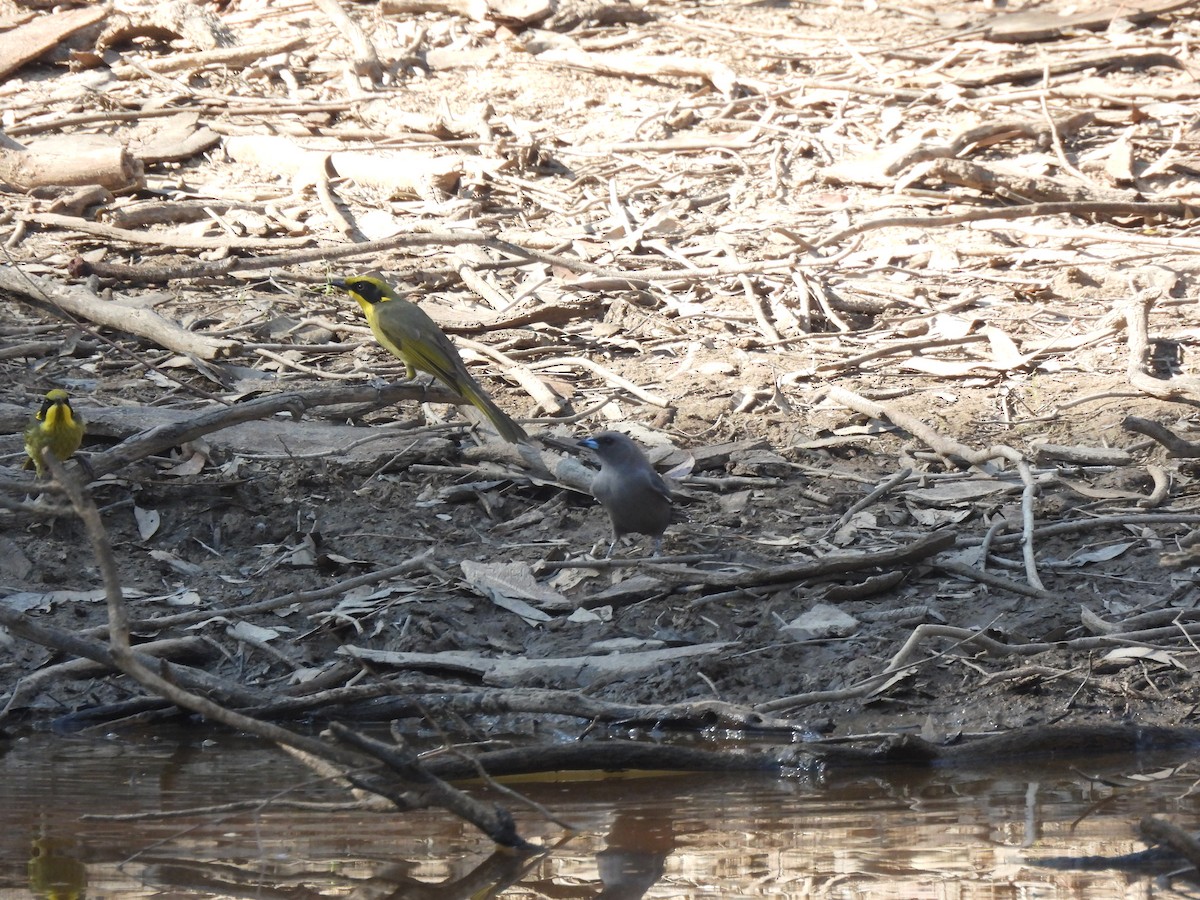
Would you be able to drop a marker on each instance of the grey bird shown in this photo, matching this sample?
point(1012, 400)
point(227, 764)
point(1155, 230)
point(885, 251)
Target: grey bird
point(638, 501)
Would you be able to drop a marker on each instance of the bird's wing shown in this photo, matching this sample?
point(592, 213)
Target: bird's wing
point(421, 343)
point(651, 479)
point(660, 487)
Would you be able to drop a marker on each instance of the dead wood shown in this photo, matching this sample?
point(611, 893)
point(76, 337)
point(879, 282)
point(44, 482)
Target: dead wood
point(84, 305)
point(178, 428)
point(30, 40)
point(1036, 25)
point(1176, 446)
point(830, 564)
point(222, 56)
point(1078, 64)
point(571, 670)
point(29, 629)
point(71, 161)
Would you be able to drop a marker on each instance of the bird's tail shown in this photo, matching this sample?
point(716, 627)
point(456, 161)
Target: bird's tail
point(509, 430)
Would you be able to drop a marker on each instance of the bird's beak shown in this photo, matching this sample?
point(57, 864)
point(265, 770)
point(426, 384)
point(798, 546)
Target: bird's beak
point(589, 443)
point(338, 283)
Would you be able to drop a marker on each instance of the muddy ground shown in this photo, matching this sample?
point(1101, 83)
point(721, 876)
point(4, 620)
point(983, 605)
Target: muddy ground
point(686, 172)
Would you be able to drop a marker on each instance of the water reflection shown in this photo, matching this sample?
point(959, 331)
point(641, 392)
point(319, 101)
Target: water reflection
point(54, 871)
point(913, 834)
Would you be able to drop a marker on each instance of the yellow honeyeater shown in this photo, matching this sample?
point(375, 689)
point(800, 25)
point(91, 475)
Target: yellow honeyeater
point(407, 332)
point(56, 426)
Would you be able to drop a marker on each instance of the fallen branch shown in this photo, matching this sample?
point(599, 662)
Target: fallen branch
point(134, 320)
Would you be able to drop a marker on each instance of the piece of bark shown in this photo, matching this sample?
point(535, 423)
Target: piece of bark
point(233, 57)
point(1039, 25)
point(475, 10)
point(45, 33)
point(400, 173)
point(579, 670)
point(170, 21)
point(276, 435)
point(1082, 456)
point(1013, 185)
point(636, 65)
point(72, 160)
point(172, 139)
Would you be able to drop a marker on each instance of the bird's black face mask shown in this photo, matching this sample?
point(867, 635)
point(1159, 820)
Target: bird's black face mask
point(365, 289)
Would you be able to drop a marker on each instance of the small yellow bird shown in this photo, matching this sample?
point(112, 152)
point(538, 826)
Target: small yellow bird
point(56, 426)
point(408, 333)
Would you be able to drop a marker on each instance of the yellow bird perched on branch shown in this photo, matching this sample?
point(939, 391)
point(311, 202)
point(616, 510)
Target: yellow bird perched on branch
point(54, 425)
point(407, 332)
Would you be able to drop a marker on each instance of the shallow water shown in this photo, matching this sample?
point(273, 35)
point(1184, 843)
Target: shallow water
point(939, 834)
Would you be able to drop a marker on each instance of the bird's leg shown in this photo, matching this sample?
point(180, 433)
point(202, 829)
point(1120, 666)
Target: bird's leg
point(611, 547)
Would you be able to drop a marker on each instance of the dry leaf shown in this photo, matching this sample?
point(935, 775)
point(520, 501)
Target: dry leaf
point(512, 581)
point(148, 522)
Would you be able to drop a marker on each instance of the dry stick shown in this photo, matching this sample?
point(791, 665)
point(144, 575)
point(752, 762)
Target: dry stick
point(546, 399)
point(328, 202)
point(500, 825)
point(239, 56)
point(60, 123)
point(1177, 447)
point(900, 662)
point(77, 307)
point(830, 564)
point(990, 579)
point(1055, 138)
point(1161, 488)
point(1081, 208)
point(483, 775)
point(68, 642)
point(80, 668)
point(275, 804)
point(609, 376)
point(906, 348)
point(1028, 495)
point(307, 600)
point(1114, 521)
point(420, 698)
point(164, 437)
point(490, 822)
point(294, 366)
point(366, 61)
point(864, 687)
point(765, 325)
point(134, 320)
point(753, 301)
point(418, 237)
point(174, 239)
point(952, 450)
point(1137, 314)
point(880, 491)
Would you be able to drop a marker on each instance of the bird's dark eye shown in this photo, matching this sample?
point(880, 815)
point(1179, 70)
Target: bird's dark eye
point(365, 289)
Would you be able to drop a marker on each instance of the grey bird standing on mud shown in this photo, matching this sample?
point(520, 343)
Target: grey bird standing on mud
point(637, 499)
